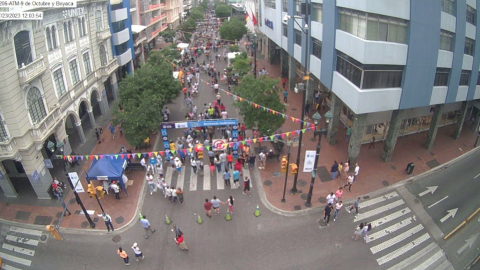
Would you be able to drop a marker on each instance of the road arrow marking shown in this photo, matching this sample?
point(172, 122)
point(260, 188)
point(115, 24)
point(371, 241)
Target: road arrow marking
point(429, 190)
point(469, 243)
point(444, 198)
point(476, 176)
point(451, 213)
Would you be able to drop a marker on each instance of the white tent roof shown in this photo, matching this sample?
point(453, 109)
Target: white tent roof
point(137, 28)
point(232, 55)
point(183, 45)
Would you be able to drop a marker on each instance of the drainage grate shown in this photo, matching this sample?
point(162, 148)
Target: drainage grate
point(43, 220)
point(304, 196)
point(385, 183)
point(301, 183)
point(119, 220)
point(393, 167)
point(433, 163)
point(322, 200)
point(22, 215)
point(267, 183)
point(324, 174)
point(297, 207)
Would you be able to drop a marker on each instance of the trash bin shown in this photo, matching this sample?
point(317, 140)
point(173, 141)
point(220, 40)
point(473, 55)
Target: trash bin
point(410, 167)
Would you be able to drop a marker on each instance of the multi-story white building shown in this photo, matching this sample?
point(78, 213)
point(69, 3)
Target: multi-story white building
point(387, 68)
point(57, 75)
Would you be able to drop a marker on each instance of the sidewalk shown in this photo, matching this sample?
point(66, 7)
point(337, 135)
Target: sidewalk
point(374, 173)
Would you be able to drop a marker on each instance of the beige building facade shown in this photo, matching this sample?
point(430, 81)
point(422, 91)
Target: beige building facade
point(57, 76)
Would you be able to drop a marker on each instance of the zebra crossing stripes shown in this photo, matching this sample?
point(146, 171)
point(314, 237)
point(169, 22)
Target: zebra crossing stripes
point(396, 239)
point(168, 175)
point(403, 249)
point(378, 210)
point(206, 179)
point(417, 256)
point(220, 182)
point(18, 247)
point(389, 230)
point(430, 261)
point(378, 199)
point(193, 181)
point(180, 179)
point(390, 217)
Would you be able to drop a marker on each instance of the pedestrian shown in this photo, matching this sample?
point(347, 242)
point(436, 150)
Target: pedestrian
point(216, 205)
point(143, 163)
point(358, 231)
point(123, 255)
point(112, 130)
point(230, 160)
point(372, 143)
point(349, 133)
point(178, 165)
point(208, 208)
point(223, 160)
point(340, 169)
point(176, 230)
point(285, 94)
point(146, 226)
point(366, 229)
point(355, 205)
point(66, 209)
point(307, 109)
point(349, 181)
point(218, 164)
point(180, 195)
point(330, 198)
point(346, 168)
point(137, 251)
point(174, 195)
point(226, 177)
point(338, 194)
point(334, 169)
point(151, 184)
point(230, 204)
point(108, 221)
point(193, 163)
point(246, 186)
point(236, 178)
point(97, 134)
point(168, 193)
point(263, 159)
point(338, 207)
point(120, 130)
point(284, 81)
point(251, 161)
point(326, 213)
point(357, 169)
point(116, 189)
point(181, 242)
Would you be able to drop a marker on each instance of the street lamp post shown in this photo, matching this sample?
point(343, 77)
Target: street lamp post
point(316, 117)
point(79, 201)
point(254, 47)
point(306, 78)
point(286, 171)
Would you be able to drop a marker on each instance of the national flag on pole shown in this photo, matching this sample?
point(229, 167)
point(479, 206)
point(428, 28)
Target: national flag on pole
point(246, 17)
point(254, 19)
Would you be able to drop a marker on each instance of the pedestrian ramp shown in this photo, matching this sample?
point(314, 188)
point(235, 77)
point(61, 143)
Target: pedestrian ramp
point(200, 180)
point(18, 247)
point(398, 240)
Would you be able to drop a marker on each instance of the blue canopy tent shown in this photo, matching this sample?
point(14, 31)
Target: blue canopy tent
point(107, 169)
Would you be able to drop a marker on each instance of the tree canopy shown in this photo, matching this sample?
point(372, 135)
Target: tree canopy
point(196, 14)
point(232, 30)
point(142, 96)
point(223, 10)
point(189, 25)
point(262, 91)
point(241, 64)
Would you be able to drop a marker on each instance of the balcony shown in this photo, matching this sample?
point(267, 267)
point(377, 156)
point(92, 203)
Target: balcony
point(141, 38)
point(125, 57)
point(105, 71)
point(44, 128)
point(103, 34)
point(8, 148)
point(31, 71)
point(155, 33)
point(157, 18)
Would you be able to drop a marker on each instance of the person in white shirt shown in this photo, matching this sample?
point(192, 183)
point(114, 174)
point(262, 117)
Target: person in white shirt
point(115, 189)
point(224, 114)
point(150, 183)
point(143, 163)
point(331, 198)
point(357, 169)
point(168, 193)
point(338, 207)
point(137, 251)
point(174, 195)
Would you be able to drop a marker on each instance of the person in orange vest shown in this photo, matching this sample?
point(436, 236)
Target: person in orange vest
point(123, 255)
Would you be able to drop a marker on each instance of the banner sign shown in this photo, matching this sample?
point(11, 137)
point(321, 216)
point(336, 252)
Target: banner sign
point(76, 182)
point(309, 161)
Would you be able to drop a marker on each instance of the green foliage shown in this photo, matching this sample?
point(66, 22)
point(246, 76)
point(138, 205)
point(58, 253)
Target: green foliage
point(196, 14)
point(168, 35)
point(170, 53)
point(142, 97)
point(189, 26)
point(234, 48)
point(187, 36)
point(264, 92)
point(204, 4)
point(232, 30)
point(223, 10)
point(241, 65)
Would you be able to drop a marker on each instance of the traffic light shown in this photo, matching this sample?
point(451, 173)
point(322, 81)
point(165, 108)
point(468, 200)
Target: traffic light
point(284, 164)
point(91, 190)
point(101, 191)
point(52, 229)
point(293, 168)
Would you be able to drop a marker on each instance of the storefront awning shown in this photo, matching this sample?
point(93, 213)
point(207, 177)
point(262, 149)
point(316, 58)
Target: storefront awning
point(137, 28)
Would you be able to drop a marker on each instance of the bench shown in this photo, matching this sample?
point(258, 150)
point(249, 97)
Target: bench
point(273, 155)
point(278, 144)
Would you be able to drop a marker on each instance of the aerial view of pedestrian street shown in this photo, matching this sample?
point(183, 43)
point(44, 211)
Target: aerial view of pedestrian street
point(240, 134)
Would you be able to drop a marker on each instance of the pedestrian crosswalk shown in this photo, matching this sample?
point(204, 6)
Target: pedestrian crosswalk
point(188, 180)
point(397, 239)
point(18, 247)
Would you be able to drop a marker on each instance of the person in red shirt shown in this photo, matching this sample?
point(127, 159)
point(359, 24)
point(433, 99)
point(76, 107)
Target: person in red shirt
point(181, 243)
point(242, 129)
point(230, 160)
point(185, 91)
point(284, 82)
point(208, 208)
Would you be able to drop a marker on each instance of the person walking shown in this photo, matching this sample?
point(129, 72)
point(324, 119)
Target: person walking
point(208, 208)
point(372, 143)
point(349, 181)
point(285, 95)
point(338, 207)
point(246, 186)
point(180, 195)
point(181, 243)
point(251, 162)
point(284, 81)
point(178, 165)
point(116, 189)
point(356, 205)
point(226, 177)
point(150, 182)
point(123, 255)
point(193, 163)
point(112, 130)
point(263, 160)
point(236, 178)
point(168, 193)
point(338, 194)
point(230, 160)
point(66, 209)
point(230, 204)
point(349, 133)
point(216, 205)
point(146, 226)
point(340, 170)
point(108, 221)
point(137, 251)
point(357, 169)
point(358, 231)
point(218, 164)
point(174, 195)
point(326, 213)
point(334, 169)
point(366, 229)
point(331, 198)
point(346, 168)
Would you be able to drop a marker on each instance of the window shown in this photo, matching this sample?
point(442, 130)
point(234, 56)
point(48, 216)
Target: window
point(23, 51)
point(3, 130)
point(298, 7)
point(35, 105)
point(471, 15)
point(446, 40)
point(54, 37)
point(298, 37)
point(49, 39)
point(98, 20)
point(372, 26)
point(469, 46)
point(349, 71)
point(478, 79)
point(285, 30)
point(285, 5)
point(82, 31)
point(464, 77)
point(441, 77)
point(84, 27)
point(448, 6)
point(270, 4)
point(317, 12)
point(382, 79)
point(86, 63)
point(67, 32)
point(317, 48)
point(59, 82)
point(103, 55)
point(74, 71)
point(70, 30)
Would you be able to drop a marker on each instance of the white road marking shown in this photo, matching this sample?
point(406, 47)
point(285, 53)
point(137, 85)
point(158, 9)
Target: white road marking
point(25, 231)
point(9, 267)
point(445, 265)
point(378, 199)
point(444, 198)
point(181, 178)
point(389, 230)
point(20, 250)
point(451, 213)
point(397, 239)
point(403, 250)
point(22, 240)
point(378, 210)
point(429, 261)
point(206, 178)
point(168, 175)
point(469, 243)
point(476, 176)
point(429, 190)
point(418, 255)
point(16, 259)
point(193, 181)
point(220, 181)
point(390, 217)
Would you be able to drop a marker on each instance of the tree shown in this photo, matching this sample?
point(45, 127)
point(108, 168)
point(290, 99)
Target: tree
point(241, 64)
point(234, 48)
point(168, 35)
point(188, 26)
point(223, 10)
point(142, 96)
point(204, 5)
point(170, 53)
point(264, 92)
point(196, 14)
point(232, 30)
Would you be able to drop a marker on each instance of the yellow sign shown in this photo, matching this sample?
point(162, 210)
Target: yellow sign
point(306, 78)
